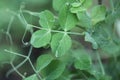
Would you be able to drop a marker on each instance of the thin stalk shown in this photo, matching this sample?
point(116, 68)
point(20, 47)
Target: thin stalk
point(20, 55)
point(16, 67)
point(8, 31)
point(39, 77)
point(17, 70)
point(56, 31)
point(100, 62)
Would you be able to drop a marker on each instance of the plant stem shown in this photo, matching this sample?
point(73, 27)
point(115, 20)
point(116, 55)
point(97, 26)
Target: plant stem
point(37, 74)
point(112, 5)
point(8, 31)
point(20, 55)
point(17, 70)
point(100, 62)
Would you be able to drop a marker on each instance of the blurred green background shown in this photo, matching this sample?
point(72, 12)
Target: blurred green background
point(8, 9)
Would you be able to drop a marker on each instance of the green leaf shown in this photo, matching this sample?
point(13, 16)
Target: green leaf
point(60, 44)
point(53, 70)
point(103, 37)
point(67, 20)
point(43, 61)
point(58, 4)
point(77, 9)
point(87, 3)
point(89, 38)
point(32, 77)
point(81, 1)
point(111, 48)
point(84, 19)
point(40, 38)
point(47, 19)
point(80, 6)
point(82, 60)
point(112, 16)
point(98, 75)
point(98, 14)
point(102, 34)
point(76, 4)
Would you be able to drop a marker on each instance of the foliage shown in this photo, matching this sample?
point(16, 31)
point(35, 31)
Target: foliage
point(76, 37)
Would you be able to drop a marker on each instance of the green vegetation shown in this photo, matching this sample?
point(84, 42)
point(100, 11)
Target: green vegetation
point(60, 39)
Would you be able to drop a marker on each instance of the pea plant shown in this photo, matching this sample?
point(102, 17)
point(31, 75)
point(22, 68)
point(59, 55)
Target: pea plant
point(77, 36)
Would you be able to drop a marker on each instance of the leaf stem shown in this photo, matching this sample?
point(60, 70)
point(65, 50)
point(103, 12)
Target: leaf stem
point(37, 74)
point(32, 13)
point(57, 31)
point(100, 62)
point(85, 76)
point(8, 31)
point(14, 68)
point(20, 55)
